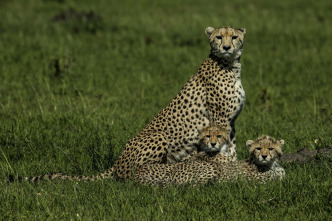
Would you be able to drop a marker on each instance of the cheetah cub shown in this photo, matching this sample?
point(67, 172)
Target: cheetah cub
point(265, 153)
point(213, 142)
point(214, 139)
point(201, 168)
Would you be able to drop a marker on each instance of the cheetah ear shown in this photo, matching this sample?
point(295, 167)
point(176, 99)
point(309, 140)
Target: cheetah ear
point(228, 129)
point(199, 130)
point(249, 143)
point(212, 124)
point(208, 31)
point(282, 142)
point(278, 150)
point(242, 29)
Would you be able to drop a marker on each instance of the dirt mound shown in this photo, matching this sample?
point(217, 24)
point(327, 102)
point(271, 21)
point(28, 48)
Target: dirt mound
point(304, 155)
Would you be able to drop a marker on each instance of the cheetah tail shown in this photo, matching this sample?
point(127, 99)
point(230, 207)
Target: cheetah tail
point(60, 176)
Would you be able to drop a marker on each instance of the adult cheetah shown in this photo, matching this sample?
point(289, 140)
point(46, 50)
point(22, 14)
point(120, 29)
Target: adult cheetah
point(213, 94)
point(203, 168)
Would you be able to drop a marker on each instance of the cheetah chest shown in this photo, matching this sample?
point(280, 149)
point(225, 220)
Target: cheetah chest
point(239, 97)
point(225, 98)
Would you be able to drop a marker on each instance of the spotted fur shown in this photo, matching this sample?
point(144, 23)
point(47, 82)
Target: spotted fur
point(212, 146)
point(203, 168)
point(214, 139)
point(214, 94)
point(62, 176)
point(265, 152)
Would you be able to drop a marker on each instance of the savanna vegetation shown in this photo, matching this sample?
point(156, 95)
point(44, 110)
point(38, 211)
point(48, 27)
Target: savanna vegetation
point(80, 78)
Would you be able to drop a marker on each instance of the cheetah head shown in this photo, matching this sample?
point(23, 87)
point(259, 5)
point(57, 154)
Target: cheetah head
point(214, 139)
point(226, 42)
point(265, 150)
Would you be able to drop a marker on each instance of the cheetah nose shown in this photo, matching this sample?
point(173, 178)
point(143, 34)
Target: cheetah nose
point(264, 156)
point(226, 48)
point(213, 144)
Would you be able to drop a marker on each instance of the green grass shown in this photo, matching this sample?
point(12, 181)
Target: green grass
point(73, 92)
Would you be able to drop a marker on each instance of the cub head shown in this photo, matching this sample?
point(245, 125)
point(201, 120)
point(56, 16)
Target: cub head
point(265, 150)
point(226, 42)
point(214, 139)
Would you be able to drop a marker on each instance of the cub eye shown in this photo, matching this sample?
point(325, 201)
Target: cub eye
point(219, 37)
point(234, 37)
point(219, 136)
point(207, 136)
point(258, 148)
point(271, 148)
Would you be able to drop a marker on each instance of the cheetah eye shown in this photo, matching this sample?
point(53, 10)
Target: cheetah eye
point(271, 148)
point(219, 136)
point(258, 148)
point(219, 37)
point(207, 136)
point(234, 37)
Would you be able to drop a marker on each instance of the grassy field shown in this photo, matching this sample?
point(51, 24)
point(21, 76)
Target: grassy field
point(80, 78)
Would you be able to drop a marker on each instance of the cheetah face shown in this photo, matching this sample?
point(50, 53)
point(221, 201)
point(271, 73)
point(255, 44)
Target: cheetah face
point(226, 42)
point(265, 150)
point(215, 139)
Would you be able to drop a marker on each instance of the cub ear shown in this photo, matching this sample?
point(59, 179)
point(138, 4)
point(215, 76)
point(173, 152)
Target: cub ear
point(228, 129)
point(212, 124)
point(208, 31)
point(279, 151)
point(249, 143)
point(282, 142)
point(242, 29)
point(199, 130)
